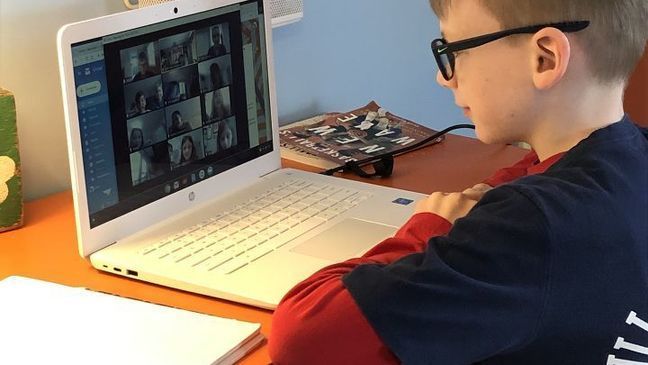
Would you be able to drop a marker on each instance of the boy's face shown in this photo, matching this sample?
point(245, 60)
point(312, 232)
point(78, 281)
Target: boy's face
point(492, 83)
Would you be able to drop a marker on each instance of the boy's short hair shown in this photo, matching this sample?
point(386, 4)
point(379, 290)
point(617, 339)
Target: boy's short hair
point(614, 41)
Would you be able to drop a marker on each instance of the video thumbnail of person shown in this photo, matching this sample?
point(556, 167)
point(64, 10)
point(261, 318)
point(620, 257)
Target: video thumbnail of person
point(177, 50)
point(183, 117)
point(210, 138)
point(215, 73)
point(180, 84)
point(220, 136)
point(149, 163)
point(213, 41)
point(227, 137)
point(217, 105)
point(143, 96)
point(186, 148)
point(140, 62)
point(145, 130)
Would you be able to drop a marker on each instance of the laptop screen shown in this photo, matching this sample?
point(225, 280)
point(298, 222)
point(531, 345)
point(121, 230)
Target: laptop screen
point(171, 104)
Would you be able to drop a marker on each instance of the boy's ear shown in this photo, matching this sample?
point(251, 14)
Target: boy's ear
point(551, 53)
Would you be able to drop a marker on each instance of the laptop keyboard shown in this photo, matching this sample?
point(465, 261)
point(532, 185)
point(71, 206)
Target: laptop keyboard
point(233, 239)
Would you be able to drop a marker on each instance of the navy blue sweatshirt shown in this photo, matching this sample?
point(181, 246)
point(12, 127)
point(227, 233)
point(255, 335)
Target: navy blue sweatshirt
point(548, 269)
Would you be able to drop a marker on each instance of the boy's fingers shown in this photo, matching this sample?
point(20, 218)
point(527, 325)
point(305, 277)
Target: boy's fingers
point(450, 206)
point(482, 187)
point(477, 191)
point(473, 194)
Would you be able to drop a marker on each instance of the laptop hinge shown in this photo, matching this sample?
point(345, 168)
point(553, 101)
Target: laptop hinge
point(270, 172)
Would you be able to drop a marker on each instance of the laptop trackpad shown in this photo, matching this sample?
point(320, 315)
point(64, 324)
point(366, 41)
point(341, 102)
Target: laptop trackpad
point(345, 240)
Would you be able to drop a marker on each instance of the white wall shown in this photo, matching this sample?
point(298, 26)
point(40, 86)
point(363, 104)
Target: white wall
point(29, 68)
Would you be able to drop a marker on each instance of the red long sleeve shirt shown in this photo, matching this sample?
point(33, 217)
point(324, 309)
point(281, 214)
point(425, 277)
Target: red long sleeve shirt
point(318, 322)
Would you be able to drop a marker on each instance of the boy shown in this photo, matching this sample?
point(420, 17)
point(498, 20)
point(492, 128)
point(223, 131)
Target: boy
point(550, 266)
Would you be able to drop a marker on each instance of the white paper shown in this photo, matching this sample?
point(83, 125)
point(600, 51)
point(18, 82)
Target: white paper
point(47, 323)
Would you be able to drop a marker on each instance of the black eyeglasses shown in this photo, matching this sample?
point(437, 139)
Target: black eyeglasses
point(383, 165)
point(444, 51)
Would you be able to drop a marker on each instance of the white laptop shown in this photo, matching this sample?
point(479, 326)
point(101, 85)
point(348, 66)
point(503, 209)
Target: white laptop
point(174, 153)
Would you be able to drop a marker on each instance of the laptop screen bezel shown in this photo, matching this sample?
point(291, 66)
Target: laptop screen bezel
point(93, 239)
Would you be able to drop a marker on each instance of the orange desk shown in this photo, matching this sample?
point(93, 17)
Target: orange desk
point(46, 248)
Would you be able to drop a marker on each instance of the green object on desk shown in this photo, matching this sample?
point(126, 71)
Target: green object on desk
point(11, 202)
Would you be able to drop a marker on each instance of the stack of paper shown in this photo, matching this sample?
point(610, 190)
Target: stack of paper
point(47, 323)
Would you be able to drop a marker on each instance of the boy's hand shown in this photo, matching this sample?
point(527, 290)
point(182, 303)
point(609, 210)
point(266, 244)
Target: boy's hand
point(477, 191)
point(452, 206)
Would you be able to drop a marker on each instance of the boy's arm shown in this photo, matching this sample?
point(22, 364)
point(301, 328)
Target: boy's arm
point(508, 174)
point(352, 337)
point(486, 273)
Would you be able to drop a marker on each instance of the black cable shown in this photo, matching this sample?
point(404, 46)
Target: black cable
point(353, 165)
